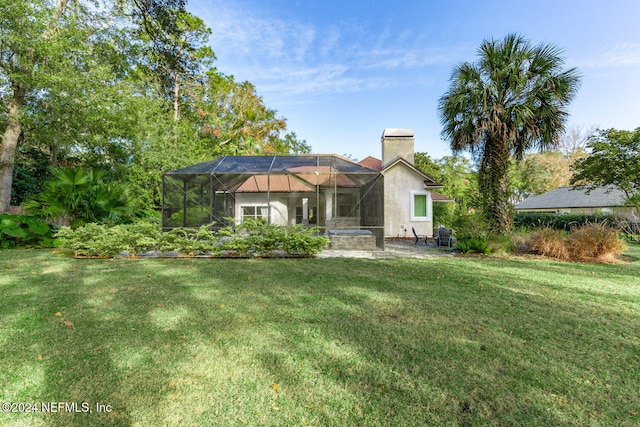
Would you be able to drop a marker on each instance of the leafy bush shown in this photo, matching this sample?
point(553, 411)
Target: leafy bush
point(25, 230)
point(509, 243)
point(468, 244)
point(565, 222)
point(630, 230)
point(82, 241)
point(188, 241)
point(104, 241)
point(248, 238)
point(443, 213)
point(261, 237)
point(82, 197)
point(631, 237)
point(304, 241)
point(471, 225)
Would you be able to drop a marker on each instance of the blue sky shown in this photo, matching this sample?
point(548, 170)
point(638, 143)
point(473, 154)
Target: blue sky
point(342, 71)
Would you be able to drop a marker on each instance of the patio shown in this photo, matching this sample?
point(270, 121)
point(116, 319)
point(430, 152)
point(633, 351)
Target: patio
point(393, 248)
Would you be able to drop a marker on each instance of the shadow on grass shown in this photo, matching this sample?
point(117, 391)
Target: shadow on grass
point(322, 342)
point(477, 345)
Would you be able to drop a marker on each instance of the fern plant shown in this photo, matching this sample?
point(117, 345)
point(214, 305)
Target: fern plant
point(81, 197)
point(477, 245)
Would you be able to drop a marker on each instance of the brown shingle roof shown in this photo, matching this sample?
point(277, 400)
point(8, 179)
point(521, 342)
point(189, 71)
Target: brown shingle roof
point(296, 182)
point(275, 184)
point(437, 197)
point(371, 163)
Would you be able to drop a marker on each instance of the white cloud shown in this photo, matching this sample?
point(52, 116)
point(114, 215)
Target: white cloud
point(619, 55)
point(292, 58)
point(418, 57)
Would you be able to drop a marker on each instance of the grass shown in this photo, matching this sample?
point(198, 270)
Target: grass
point(322, 342)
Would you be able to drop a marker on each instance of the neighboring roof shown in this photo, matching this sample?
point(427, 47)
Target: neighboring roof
point(371, 163)
point(569, 197)
point(437, 197)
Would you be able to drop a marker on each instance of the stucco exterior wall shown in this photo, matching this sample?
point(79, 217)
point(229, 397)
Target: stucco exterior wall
point(399, 184)
point(283, 206)
point(279, 209)
point(397, 147)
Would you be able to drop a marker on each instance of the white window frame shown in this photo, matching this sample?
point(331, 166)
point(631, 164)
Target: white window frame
point(427, 199)
point(257, 207)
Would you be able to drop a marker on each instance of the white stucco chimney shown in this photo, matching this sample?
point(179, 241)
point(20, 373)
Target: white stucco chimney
point(397, 142)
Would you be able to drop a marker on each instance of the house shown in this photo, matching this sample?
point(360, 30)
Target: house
point(576, 200)
point(408, 193)
point(379, 198)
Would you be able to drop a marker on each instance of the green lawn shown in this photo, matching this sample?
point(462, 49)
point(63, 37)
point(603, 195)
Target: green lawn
point(322, 342)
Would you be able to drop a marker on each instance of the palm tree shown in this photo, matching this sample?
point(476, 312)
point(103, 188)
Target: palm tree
point(81, 196)
point(512, 101)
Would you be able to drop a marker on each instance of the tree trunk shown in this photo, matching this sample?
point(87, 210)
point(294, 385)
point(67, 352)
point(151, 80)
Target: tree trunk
point(176, 97)
point(502, 214)
point(9, 145)
point(11, 135)
point(176, 111)
point(494, 184)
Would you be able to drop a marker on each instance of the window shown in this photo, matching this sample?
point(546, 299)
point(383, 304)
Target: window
point(419, 206)
point(255, 212)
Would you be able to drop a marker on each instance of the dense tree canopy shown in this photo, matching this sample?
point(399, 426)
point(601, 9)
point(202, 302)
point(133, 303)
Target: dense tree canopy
point(513, 100)
point(455, 173)
point(126, 87)
point(614, 159)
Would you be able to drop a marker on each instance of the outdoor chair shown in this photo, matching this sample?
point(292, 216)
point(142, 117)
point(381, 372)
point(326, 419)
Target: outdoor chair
point(418, 236)
point(444, 238)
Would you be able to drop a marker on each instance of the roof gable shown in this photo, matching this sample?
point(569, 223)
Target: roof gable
point(428, 181)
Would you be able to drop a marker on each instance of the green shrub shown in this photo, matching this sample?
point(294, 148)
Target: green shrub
point(565, 222)
point(82, 197)
point(82, 241)
point(443, 213)
point(249, 238)
point(304, 241)
point(509, 243)
point(468, 244)
point(471, 225)
point(25, 230)
point(188, 241)
point(630, 231)
point(103, 241)
point(261, 237)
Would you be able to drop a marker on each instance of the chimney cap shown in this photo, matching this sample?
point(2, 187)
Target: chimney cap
point(398, 133)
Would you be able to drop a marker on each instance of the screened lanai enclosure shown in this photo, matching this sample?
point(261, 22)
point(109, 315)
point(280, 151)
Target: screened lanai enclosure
point(325, 191)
